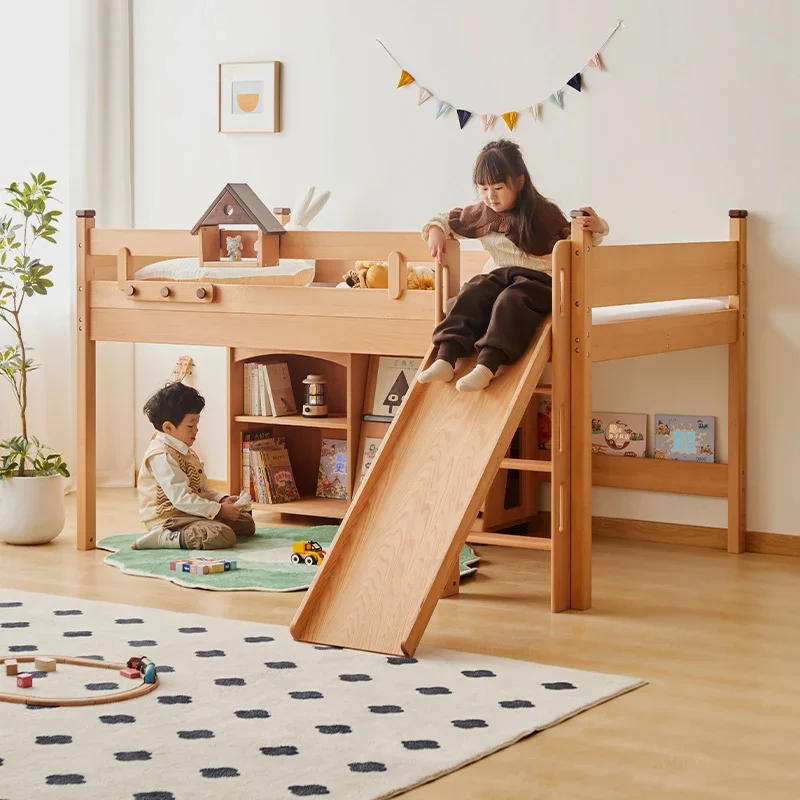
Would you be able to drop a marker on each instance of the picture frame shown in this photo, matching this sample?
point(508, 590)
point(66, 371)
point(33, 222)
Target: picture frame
point(249, 97)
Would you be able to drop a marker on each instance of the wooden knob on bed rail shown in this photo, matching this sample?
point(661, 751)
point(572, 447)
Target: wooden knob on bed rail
point(130, 290)
point(201, 293)
point(165, 292)
point(737, 213)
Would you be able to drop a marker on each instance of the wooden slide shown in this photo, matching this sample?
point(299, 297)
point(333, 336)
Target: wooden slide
point(405, 528)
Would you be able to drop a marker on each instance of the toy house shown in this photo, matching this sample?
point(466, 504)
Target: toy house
point(237, 204)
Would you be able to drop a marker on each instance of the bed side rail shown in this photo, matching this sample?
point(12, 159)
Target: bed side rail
point(116, 254)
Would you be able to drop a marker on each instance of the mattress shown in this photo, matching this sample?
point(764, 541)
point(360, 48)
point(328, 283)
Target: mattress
point(662, 309)
point(288, 272)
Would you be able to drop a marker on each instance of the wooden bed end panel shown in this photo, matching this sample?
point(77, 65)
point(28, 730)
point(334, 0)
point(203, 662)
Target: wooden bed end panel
point(648, 273)
point(652, 335)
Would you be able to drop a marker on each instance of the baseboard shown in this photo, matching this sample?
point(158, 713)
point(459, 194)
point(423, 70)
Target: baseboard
point(774, 544)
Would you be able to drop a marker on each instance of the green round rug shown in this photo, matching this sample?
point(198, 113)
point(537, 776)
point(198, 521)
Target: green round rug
point(263, 561)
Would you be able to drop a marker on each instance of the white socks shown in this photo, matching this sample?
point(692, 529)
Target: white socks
point(158, 539)
point(440, 370)
point(474, 381)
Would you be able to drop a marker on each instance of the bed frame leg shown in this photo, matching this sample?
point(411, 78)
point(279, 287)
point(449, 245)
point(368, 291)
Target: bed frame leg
point(581, 420)
point(560, 532)
point(87, 394)
point(737, 397)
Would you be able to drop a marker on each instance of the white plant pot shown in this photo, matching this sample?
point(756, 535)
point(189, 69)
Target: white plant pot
point(31, 509)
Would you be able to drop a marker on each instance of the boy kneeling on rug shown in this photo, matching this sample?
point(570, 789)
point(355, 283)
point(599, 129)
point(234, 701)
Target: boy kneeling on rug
point(175, 503)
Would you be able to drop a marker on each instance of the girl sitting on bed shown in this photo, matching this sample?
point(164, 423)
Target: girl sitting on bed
point(498, 312)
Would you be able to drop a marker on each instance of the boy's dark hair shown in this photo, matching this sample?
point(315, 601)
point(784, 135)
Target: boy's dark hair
point(172, 404)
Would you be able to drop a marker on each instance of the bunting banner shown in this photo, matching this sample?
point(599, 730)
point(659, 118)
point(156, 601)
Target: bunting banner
point(556, 98)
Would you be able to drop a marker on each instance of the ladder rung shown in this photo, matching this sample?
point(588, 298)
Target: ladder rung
point(526, 465)
point(543, 388)
point(511, 540)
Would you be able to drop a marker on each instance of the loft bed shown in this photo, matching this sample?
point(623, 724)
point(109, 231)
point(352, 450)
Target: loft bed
point(610, 302)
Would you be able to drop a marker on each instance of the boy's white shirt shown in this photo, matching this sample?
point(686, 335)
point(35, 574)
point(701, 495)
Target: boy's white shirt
point(175, 483)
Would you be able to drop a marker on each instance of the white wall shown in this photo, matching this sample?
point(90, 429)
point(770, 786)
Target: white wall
point(34, 60)
point(696, 114)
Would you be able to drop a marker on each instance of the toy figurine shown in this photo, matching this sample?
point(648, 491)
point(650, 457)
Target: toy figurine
point(234, 245)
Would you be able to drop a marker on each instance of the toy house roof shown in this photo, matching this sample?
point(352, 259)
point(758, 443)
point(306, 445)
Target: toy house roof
point(238, 204)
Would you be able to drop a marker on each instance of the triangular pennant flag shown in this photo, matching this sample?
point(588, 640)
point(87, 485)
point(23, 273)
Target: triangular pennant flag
point(510, 118)
point(596, 61)
point(556, 99)
point(424, 95)
point(488, 121)
point(405, 79)
point(442, 108)
point(536, 110)
point(575, 82)
point(463, 116)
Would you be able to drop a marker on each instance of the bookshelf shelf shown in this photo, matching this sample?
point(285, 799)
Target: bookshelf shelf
point(308, 506)
point(331, 422)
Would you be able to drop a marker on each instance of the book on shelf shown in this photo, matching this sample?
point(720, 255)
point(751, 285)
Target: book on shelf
point(279, 389)
point(332, 476)
point(617, 434)
point(393, 376)
point(256, 400)
point(371, 445)
point(279, 476)
point(268, 390)
point(681, 437)
point(266, 468)
point(544, 422)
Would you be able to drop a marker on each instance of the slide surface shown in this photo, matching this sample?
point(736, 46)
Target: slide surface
point(392, 555)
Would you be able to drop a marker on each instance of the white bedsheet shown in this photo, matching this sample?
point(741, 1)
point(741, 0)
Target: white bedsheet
point(662, 309)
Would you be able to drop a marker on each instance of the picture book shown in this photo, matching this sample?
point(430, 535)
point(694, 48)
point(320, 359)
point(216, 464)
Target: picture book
point(545, 422)
point(371, 445)
point(251, 440)
point(684, 438)
point(282, 486)
point(617, 434)
point(332, 476)
point(279, 390)
point(394, 376)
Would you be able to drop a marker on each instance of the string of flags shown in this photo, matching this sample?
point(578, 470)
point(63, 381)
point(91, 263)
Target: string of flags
point(510, 118)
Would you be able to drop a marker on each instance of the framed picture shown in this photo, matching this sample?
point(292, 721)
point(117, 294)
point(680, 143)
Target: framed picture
point(250, 97)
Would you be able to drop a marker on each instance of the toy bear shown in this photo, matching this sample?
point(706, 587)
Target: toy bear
point(375, 275)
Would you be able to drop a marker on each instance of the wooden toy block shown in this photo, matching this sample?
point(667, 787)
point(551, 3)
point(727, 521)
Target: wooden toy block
point(217, 568)
point(12, 668)
point(130, 673)
point(45, 664)
point(24, 680)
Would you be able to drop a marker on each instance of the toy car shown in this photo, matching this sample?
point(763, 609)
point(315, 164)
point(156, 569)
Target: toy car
point(307, 552)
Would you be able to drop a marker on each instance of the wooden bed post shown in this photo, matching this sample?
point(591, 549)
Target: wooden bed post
point(87, 394)
point(737, 396)
point(580, 433)
point(560, 531)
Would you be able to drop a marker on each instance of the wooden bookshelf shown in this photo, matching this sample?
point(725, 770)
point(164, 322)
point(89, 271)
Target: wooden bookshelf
point(332, 421)
point(347, 375)
point(308, 506)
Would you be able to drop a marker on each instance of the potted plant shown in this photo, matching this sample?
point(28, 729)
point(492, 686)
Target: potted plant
point(31, 475)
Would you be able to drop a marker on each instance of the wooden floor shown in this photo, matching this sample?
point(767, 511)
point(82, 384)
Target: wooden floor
point(717, 636)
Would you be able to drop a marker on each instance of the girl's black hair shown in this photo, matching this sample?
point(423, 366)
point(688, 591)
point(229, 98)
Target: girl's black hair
point(501, 162)
point(172, 404)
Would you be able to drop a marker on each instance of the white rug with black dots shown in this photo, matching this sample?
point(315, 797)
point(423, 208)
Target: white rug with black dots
point(243, 711)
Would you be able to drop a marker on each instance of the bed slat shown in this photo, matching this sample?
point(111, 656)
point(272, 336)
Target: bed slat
point(642, 337)
point(647, 273)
